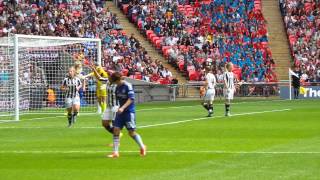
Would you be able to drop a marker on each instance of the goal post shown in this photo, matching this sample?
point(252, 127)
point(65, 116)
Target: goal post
point(32, 69)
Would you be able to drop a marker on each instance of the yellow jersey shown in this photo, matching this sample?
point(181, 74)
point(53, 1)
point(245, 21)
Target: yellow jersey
point(101, 85)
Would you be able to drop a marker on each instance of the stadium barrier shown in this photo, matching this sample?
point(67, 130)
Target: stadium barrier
point(146, 92)
point(191, 90)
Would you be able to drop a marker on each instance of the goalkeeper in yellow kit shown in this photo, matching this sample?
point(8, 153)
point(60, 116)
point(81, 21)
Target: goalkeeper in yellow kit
point(101, 88)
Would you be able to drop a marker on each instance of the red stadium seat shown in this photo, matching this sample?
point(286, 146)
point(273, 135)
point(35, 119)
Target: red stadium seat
point(125, 8)
point(180, 9)
point(114, 32)
point(200, 60)
point(138, 76)
point(182, 47)
point(154, 39)
point(164, 81)
point(193, 76)
point(149, 32)
point(158, 43)
point(125, 72)
point(152, 36)
point(189, 9)
point(140, 24)
point(165, 49)
point(181, 65)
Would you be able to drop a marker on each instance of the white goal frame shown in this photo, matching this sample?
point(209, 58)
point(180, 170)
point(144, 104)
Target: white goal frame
point(16, 45)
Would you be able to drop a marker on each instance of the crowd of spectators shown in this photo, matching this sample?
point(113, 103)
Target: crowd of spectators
point(82, 18)
point(193, 36)
point(124, 53)
point(302, 21)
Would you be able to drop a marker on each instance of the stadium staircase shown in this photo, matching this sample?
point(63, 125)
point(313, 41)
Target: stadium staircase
point(130, 28)
point(278, 40)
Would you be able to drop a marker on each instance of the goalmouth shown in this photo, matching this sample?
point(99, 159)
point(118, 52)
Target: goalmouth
point(32, 69)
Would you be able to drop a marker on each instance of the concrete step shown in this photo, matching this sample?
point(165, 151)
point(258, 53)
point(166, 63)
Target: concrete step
point(278, 40)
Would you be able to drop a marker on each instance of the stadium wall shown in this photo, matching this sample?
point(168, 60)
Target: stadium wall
point(146, 91)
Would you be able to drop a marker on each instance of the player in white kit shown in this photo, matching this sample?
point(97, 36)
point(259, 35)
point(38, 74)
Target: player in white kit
point(71, 86)
point(208, 98)
point(229, 87)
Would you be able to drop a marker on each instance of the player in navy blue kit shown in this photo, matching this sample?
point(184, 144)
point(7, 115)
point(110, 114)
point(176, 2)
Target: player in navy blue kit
point(125, 116)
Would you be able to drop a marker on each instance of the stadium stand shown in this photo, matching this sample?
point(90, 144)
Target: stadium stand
point(83, 19)
point(302, 21)
point(192, 36)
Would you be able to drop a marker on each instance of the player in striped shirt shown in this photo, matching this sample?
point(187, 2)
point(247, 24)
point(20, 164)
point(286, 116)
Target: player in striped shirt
point(71, 86)
point(112, 107)
point(229, 88)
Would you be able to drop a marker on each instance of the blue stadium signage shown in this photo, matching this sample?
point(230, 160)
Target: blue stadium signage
point(312, 92)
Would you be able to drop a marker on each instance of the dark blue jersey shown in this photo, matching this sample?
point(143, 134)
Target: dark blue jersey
point(123, 93)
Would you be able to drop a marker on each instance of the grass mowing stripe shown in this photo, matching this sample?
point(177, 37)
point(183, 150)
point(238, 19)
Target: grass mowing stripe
point(178, 107)
point(139, 110)
point(215, 117)
point(154, 151)
point(162, 124)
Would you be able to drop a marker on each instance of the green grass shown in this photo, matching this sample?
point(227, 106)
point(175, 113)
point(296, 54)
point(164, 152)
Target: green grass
point(269, 145)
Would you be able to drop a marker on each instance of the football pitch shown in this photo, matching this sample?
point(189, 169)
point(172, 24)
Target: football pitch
point(269, 139)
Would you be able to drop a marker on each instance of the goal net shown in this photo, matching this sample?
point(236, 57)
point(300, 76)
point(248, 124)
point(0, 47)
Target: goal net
point(32, 69)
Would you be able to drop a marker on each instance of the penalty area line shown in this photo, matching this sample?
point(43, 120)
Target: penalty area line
point(154, 151)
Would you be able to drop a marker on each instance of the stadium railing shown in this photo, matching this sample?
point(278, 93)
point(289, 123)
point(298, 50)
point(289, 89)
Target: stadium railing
point(159, 92)
point(259, 89)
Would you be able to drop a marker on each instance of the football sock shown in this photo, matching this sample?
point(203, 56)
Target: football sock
point(138, 140)
point(75, 114)
point(205, 106)
point(69, 118)
point(116, 141)
point(109, 129)
point(210, 108)
point(227, 107)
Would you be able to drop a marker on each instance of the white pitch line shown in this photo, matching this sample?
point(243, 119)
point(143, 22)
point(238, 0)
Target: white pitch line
point(139, 110)
point(161, 124)
point(43, 118)
point(160, 151)
point(179, 107)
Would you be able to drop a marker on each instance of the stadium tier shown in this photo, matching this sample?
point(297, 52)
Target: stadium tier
point(302, 21)
point(192, 36)
point(88, 19)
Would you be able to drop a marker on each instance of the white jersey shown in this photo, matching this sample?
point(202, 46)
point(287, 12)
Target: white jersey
point(228, 78)
point(211, 81)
